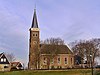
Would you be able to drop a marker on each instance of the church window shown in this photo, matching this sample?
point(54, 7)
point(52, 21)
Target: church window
point(71, 60)
point(58, 60)
point(52, 61)
point(45, 60)
point(65, 60)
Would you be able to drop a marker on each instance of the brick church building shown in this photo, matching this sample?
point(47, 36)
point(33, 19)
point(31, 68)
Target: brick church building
point(39, 55)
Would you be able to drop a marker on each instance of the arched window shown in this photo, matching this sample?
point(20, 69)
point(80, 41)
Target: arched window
point(58, 60)
point(71, 60)
point(36, 35)
point(65, 60)
point(33, 34)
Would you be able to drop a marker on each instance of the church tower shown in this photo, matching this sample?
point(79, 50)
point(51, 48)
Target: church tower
point(34, 42)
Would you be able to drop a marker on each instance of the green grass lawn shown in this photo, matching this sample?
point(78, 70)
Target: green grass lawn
point(45, 72)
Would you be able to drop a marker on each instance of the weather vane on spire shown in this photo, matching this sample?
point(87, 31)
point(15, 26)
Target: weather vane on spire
point(35, 6)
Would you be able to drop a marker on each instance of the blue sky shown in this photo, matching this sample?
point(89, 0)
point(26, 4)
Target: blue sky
point(69, 19)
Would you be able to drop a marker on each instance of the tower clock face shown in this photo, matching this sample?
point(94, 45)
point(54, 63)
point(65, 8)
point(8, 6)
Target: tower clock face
point(34, 42)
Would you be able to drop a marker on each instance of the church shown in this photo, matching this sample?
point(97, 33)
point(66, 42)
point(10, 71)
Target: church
point(39, 54)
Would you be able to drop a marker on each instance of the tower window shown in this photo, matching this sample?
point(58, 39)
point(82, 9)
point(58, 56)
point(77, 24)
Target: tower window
point(36, 34)
point(33, 34)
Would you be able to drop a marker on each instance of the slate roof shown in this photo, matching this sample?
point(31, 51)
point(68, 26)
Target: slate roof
point(1, 54)
point(34, 22)
point(60, 49)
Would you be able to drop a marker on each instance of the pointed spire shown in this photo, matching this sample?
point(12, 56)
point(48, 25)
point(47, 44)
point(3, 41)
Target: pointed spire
point(34, 22)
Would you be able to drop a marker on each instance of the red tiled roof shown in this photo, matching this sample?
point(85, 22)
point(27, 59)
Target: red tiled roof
point(15, 63)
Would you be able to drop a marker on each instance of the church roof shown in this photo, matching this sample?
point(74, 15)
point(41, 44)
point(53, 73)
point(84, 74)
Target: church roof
point(34, 22)
point(60, 49)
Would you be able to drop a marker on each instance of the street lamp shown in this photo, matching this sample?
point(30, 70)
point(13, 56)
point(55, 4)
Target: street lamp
point(91, 64)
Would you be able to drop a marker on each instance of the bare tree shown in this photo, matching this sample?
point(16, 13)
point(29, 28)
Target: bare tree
point(50, 47)
point(11, 57)
point(86, 49)
point(53, 41)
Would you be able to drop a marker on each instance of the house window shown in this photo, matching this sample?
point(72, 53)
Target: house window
point(65, 60)
point(1, 59)
point(59, 60)
point(4, 59)
point(6, 66)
